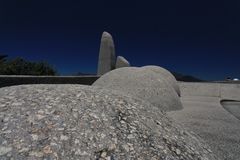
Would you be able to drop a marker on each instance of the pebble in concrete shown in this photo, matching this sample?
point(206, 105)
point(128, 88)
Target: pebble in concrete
point(84, 122)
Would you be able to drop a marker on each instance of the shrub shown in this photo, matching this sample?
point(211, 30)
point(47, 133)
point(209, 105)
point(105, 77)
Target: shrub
point(19, 66)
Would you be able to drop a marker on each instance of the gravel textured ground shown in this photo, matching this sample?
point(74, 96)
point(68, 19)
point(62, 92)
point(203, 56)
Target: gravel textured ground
point(83, 122)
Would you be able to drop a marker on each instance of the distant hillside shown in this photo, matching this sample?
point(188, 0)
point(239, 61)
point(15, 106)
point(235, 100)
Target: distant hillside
point(186, 78)
point(82, 74)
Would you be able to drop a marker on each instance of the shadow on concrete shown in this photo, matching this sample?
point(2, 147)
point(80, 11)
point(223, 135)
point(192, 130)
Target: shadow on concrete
point(232, 106)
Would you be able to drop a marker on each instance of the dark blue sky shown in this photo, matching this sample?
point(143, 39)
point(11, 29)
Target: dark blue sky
point(200, 38)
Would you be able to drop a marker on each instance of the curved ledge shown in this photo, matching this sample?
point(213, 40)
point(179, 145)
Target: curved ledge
point(232, 106)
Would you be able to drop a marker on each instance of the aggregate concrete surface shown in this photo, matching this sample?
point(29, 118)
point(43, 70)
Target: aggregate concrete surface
point(165, 74)
point(84, 122)
point(107, 59)
point(142, 83)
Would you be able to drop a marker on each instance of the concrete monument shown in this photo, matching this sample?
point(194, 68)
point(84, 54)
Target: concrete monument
point(85, 122)
point(143, 84)
point(165, 74)
point(122, 62)
point(107, 59)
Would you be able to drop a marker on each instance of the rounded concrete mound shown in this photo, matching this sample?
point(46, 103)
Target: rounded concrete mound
point(84, 122)
point(165, 74)
point(142, 84)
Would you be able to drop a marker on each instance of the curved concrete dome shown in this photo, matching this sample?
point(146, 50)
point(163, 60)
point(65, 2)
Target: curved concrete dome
point(165, 74)
point(68, 122)
point(143, 84)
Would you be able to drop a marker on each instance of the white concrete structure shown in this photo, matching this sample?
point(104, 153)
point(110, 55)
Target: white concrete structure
point(122, 62)
point(165, 74)
point(203, 113)
point(107, 58)
point(143, 84)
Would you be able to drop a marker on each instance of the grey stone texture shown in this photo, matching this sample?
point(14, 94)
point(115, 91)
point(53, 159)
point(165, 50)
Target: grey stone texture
point(107, 58)
point(230, 91)
point(200, 89)
point(222, 90)
point(165, 74)
point(122, 62)
point(203, 113)
point(66, 122)
point(141, 83)
point(233, 107)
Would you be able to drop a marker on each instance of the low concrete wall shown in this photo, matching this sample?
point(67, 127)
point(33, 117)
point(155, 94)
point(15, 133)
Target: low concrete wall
point(221, 90)
point(6, 80)
point(199, 89)
point(230, 91)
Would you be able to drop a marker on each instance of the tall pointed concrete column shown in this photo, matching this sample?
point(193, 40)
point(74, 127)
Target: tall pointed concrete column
point(107, 58)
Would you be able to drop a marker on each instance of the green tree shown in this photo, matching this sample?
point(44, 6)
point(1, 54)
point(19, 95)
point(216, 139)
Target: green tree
point(3, 58)
point(19, 66)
